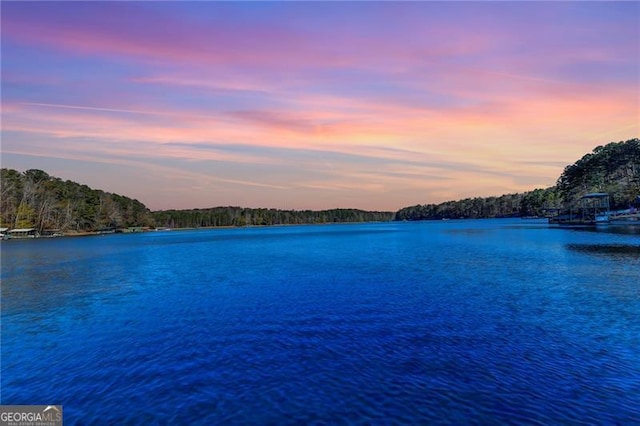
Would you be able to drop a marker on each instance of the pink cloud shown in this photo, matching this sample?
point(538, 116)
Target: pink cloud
point(391, 83)
point(116, 31)
point(344, 124)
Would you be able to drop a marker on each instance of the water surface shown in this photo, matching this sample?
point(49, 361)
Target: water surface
point(460, 322)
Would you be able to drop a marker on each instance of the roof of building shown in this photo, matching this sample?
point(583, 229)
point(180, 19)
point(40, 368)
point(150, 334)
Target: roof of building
point(596, 195)
point(23, 230)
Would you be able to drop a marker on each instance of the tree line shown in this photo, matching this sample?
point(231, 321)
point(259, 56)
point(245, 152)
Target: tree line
point(532, 203)
point(239, 216)
point(613, 168)
point(34, 199)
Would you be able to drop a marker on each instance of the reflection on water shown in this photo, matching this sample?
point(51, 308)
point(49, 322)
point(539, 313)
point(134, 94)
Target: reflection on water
point(615, 250)
point(631, 229)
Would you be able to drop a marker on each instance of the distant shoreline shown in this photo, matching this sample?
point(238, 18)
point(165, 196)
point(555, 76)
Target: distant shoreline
point(75, 234)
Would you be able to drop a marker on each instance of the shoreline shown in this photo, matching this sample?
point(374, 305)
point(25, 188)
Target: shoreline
point(75, 234)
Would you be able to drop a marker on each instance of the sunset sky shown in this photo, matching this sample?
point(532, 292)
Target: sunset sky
point(315, 104)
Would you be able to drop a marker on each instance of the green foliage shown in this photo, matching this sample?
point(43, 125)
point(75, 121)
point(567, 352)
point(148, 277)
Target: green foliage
point(24, 216)
point(613, 168)
point(11, 187)
point(35, 199)
point(510, 205)
point(539, 201)
point(238, 216)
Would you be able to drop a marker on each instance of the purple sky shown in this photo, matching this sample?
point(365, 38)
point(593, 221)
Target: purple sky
point(373, 105)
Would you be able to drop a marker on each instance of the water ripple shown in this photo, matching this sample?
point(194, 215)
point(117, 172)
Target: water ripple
point(459, 323)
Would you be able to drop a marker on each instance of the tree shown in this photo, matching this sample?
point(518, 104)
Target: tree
point(24, 216)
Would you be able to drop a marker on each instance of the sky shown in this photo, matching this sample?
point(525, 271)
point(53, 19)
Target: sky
point(314, 105)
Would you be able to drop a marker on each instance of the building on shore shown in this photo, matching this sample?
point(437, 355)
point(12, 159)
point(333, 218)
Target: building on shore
point(591, 209)
point(23, 233)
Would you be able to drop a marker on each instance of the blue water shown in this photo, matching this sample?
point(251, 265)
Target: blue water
point(453, 322)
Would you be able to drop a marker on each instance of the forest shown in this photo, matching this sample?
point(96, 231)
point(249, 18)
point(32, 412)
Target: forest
point(532, 203)
point(238, 216)
point(613, 168)
point(34, 199)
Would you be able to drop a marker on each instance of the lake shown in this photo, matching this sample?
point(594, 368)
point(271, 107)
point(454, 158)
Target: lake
point(442, 322)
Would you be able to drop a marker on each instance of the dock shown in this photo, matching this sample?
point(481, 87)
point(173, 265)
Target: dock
point(592, 209)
